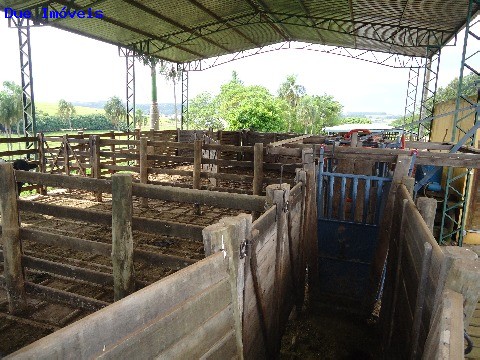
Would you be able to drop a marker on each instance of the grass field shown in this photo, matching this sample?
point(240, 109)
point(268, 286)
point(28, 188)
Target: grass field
point(52, 108)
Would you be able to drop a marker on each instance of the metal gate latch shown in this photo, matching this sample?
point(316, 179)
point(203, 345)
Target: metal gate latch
point(245, 248)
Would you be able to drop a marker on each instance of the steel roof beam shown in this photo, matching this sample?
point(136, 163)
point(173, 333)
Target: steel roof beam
point(307, 13)
point(219, 19)
point(71, 5)
point(174, 23)
point(280, 30)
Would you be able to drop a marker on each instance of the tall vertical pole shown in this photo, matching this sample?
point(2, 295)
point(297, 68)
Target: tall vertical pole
point(28, 99)
point(411, 98)
point(458, 184)
point(430, 84)
point(184, 117)
point(130, 91)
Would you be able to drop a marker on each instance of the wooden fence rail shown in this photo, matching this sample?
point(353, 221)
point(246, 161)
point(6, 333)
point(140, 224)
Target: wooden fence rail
point(416, 302)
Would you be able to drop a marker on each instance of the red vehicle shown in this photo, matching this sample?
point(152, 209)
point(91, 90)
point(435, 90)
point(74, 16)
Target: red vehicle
point(361, 132)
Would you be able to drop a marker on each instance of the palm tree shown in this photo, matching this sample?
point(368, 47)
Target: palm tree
point(173, 74)
point(11, 107)
point(291, 92)
point(115, 111)
point(152, 62)
point(65, 111)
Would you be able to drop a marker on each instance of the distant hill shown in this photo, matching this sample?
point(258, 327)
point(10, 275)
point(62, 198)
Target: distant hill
point(165, 108)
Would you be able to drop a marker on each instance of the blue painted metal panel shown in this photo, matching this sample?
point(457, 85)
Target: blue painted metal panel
point(347, 238)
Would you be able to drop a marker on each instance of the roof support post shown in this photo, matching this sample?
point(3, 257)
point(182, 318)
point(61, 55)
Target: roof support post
point(429, 92)
point(184, 109)
point(411, 98)
point(130, 89)
point(463, 133)
point(28, 102)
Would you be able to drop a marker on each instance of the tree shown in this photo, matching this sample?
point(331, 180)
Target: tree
point(249, 107)
point(173, 74)
point(115, 111)
point(355, 120)
point(203, 112)
point(65, 111)
point(152, 62)
point(316, 112)
point(140, 117)
point(11, 108)
point(291, 92)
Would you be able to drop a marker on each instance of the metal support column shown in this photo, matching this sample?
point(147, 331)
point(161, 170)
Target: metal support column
point(28, 101)
point(464, 130)
point(184, 117)
point(430, 82)
point(130, 91)
point(411, 98)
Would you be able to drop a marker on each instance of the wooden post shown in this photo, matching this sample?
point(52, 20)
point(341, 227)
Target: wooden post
point(143, 167)
point(278, 195)
point(197, 163)
point(401, 170)
point(464, 278)
point(311, 221)
point(122, 239)
point(427, 208)
point(66, 163)
point(219, 156)
point(42, 160)
point(258, 169)
point(228, 235)
point(12, 249)
point(354, 141)
point(112, 149)
point(96, 165)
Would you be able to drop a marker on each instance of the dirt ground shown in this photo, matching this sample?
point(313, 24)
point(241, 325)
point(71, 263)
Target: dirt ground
point(326, 331)
point(43, 317)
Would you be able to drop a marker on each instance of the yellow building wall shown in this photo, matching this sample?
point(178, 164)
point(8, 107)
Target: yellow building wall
point(441, 131)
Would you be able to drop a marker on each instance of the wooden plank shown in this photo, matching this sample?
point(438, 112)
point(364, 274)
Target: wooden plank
point(49, 294)
point(290, 140)
point(189, 330)
point(141, 224)
point(11, 245)
point(226, 348)
point(89, 336)
point(192, 196)
point(71, 271)
point(70, 182)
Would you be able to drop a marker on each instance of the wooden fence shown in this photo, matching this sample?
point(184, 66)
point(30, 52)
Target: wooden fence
point(188, 314)
point(220, 157)
point(120, 219)
point(423, 284)
point(234, 303)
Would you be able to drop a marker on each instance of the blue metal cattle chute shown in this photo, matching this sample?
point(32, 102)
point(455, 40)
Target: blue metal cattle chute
point(349, 211)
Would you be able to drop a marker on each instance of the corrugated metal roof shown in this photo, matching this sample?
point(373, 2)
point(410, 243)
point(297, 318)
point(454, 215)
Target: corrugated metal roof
point(187, 30)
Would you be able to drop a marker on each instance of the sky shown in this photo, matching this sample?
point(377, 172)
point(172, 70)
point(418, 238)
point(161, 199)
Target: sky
point(75, 68)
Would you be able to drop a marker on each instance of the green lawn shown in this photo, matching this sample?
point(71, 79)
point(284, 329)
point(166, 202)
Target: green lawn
point(52, 108)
